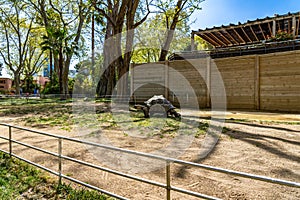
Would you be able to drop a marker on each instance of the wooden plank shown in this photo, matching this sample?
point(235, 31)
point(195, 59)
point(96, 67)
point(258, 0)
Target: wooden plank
point(167, 79)
point(132, 78)
point(208, 82)
point(247, 36)
point(257, 83)
point(262, 32)
point(239, 36)
point(254, 33)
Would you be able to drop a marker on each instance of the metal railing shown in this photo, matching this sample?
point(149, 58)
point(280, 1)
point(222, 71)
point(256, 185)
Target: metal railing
point(167, 185)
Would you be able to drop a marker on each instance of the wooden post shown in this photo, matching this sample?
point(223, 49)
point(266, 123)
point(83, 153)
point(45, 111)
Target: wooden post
point(192, 42)
point(257, 83)
point(208, 80)
point(167, 79)
point(294, 26)
point(131, 78)
point(274, 28)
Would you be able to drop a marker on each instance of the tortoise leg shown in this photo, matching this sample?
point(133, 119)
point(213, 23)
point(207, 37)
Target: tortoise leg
point(146, 112)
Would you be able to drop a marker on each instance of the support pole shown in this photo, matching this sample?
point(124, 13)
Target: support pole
point(59, 160)
point(274, 28)
point(10, 142)
point(294, 26)
point(168, 179)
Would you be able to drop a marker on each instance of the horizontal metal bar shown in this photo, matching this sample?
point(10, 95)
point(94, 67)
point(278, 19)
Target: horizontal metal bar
point(217, 169)
point(115, 172)
point(4, 138)
point(64, 176)
point(241, 174)
point(195, 194)
point(32, 163)
point(35, 148)
point(93, 187)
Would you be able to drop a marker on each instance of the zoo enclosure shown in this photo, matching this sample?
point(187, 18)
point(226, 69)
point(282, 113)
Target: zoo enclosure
point(167, 185)
point(256, 82)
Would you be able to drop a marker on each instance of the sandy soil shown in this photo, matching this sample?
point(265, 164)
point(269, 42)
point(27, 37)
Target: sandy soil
point(269, 149)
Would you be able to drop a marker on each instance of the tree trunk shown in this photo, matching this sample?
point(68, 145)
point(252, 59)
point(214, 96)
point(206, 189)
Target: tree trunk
point(65, 83)
point(17, 83)
point(166, 47)
point(107, 82)
point(93, 41)
point(170, 32)
point(60, 77)
point(51, 70)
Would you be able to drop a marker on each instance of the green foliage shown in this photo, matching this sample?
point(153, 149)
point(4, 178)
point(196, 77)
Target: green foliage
point(86, 78)
point(281, 36)
point(148, 46)
point(52, 87)
point(29, 85)
point(202, 44)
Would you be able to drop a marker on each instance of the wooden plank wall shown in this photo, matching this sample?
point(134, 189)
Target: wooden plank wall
point(262, 82)
point(147, 80)
point(187, 79)
point(238, 76)
point(280, 81)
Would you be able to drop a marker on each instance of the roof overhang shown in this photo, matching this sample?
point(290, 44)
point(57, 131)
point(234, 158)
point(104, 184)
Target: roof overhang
point(251, 32)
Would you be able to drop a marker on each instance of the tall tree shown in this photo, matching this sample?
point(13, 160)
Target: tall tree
point(174, 12)
point(67, 18)
point(16, 25)
point(35, 59)
point(120, 16)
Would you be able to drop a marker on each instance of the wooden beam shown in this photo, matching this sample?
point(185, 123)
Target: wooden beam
point(297, 26)
point(208, 39)
point(274, 28)
point(270, 29)
point(223, 36)
point(254, 33)
point(294, 26)
point(239, 35)
point(262, 32)
point(231, 37)
point(246, 34)
point(215, 37)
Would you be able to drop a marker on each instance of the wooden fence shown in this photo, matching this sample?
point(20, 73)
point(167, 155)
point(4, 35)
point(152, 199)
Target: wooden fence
point(257, 82)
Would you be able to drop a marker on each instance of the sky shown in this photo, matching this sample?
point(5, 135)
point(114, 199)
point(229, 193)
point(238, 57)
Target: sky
point(224, 12)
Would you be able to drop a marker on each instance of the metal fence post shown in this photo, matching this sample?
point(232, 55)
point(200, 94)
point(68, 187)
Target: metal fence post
point(59, 160)
point(168, 178)
point(10, 142)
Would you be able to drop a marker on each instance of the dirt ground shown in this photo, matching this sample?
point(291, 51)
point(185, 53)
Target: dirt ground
point(266, 144)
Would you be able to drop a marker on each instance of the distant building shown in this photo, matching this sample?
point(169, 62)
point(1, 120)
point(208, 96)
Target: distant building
point(5, 84)
point(40, 80)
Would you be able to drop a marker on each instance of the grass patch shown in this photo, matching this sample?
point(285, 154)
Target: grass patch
point(21, 180)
